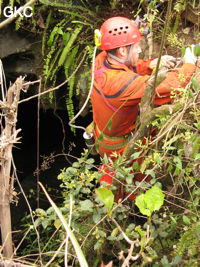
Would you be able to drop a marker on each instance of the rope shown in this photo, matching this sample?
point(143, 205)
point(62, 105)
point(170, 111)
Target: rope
point(88, 97)
point(3, 82)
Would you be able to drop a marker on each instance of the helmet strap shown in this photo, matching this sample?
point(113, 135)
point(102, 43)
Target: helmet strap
point(124, 61)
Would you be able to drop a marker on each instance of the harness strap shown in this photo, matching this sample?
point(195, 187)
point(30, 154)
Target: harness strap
point(123, 140)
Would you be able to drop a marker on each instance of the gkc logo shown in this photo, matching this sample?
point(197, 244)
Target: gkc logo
point(9, 11)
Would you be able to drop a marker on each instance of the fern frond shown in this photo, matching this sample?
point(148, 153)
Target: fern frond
point(49, 62)
point(71, 87)
point(72, 13)
point(53, 67)
point(57, 30)
point(67, 6)
point(52, 3)
point(70, 59)
point(81, 22)
point(70, 110)
point(18, 23)
point(69, 45)
point(48, 20)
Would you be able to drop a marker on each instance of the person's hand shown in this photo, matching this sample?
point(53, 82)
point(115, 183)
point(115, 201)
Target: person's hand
point(189, 56)
point(166, 61)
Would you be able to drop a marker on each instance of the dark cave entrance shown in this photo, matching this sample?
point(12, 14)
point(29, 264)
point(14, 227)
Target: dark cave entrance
point(53, 125)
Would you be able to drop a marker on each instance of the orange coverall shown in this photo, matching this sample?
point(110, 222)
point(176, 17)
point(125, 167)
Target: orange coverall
point(116, 95)
point(115, 98)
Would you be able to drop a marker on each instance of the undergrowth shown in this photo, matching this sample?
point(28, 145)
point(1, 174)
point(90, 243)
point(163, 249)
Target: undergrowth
point(145, 231)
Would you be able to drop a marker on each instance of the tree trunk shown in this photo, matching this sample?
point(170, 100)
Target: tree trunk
point(8, 138)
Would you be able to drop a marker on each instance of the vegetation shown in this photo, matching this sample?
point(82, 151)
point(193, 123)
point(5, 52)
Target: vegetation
point(160, 227)
point(159, 233)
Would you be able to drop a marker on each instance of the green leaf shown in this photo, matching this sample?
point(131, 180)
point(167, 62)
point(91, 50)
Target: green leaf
point(96, 217)
point(176, 260)
point(141, 204)
point(45, 223)
point(197, 156)
point(90, 161)
point(57, 223)
point(164, 260)
point(70, 61)
point(76, 165)
point(150, 201)
point(136, 166)
point(197, 50)
point(40, 212)
point(109, 124)
point(186, 220)
point(178, 162)
point(100, 138)
point(143, 166)
point(98, 245)
point(157, 158)
point(135, 155)
point(129, 179)
point(106, 196)
point(37, 222)
point(81, 22)
point(86, 205)
point(115, 232)
point(170, 147)
point(197, 125)
point(140, 231)
point(56, 30)
point(167, 145)
point(150, 172)
point(163, 234)
point(105, 159)
point(195, 83)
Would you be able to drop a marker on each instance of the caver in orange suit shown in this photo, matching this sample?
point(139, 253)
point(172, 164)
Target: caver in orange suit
point(118, 89)
point(115, 97)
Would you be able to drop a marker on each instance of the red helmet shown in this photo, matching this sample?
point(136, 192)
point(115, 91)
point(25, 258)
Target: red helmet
point(118, 31)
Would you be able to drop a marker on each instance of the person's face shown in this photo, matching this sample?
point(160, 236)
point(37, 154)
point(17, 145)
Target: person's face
point(134, 54)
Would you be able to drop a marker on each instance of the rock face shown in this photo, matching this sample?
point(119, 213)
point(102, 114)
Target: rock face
point(11, 42)
point(20, 52)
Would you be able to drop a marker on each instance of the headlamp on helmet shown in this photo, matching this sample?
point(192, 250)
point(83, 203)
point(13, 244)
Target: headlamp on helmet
point(97, 37)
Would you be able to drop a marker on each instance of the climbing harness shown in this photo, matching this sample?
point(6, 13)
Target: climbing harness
point(118, 142)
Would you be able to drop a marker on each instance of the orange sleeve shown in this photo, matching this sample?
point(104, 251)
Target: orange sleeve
point(142, 67)
point(175, 79)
